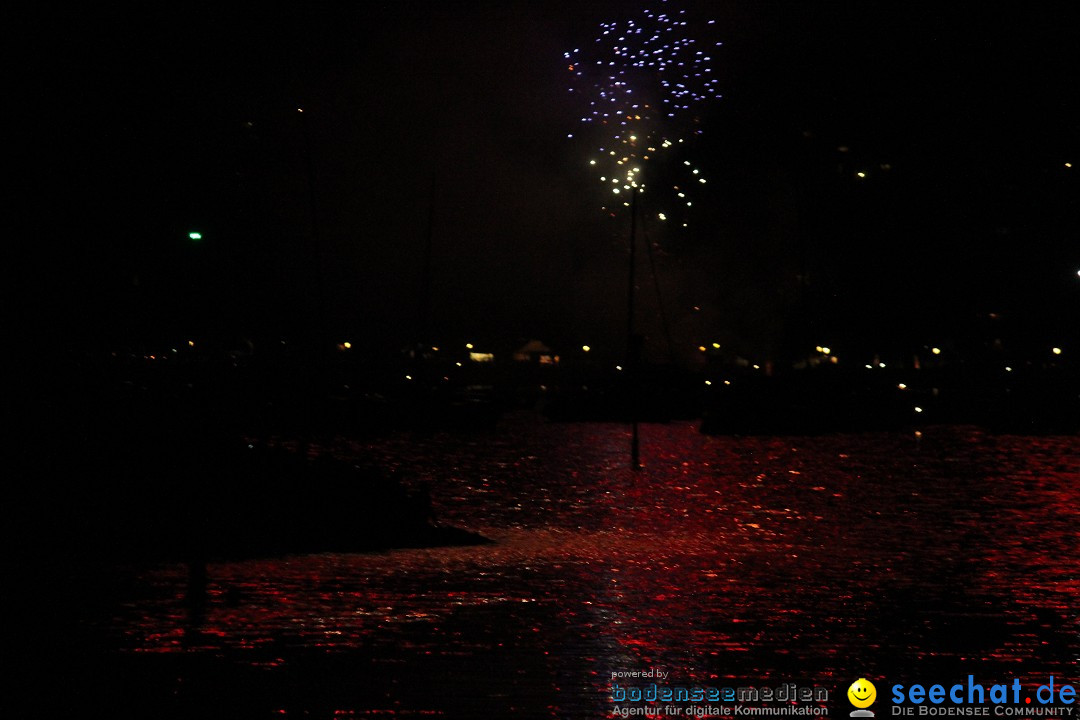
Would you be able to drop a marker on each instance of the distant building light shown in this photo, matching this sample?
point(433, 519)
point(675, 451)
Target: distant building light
point(618, 367)
point(826, 350)
point(468, 346)
point(1056, 351)
point(708, 382)
point(918, 409)
point(1008, 369)
point(727, 382)
point(936, 351)
point(716, 346)
point(481, 357)
point(701, 348)
point(585, 348)
point(902, 386)
point(347, 345)
point(194, 236)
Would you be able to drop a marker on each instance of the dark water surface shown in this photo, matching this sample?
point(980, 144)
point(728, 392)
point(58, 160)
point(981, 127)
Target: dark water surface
point(754, 560)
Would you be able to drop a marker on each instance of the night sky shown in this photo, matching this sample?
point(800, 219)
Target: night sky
point(146, 122)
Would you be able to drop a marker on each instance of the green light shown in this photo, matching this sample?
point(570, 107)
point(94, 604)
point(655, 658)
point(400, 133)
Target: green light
point(195, 235)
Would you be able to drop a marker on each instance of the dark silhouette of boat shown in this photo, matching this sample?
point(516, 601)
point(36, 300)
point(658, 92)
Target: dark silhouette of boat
point(1029, 401)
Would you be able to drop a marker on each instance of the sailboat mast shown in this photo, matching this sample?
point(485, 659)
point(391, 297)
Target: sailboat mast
point(423, 337)
point(632, 346)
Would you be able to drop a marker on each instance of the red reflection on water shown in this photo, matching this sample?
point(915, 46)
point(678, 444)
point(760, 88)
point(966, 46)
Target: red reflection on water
point(757, 560)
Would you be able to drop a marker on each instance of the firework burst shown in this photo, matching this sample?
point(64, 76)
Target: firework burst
point(643, 84)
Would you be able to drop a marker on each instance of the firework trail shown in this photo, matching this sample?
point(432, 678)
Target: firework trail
point(643, 84)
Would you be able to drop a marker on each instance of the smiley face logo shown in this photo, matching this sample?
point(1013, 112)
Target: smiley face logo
point(862, 693)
